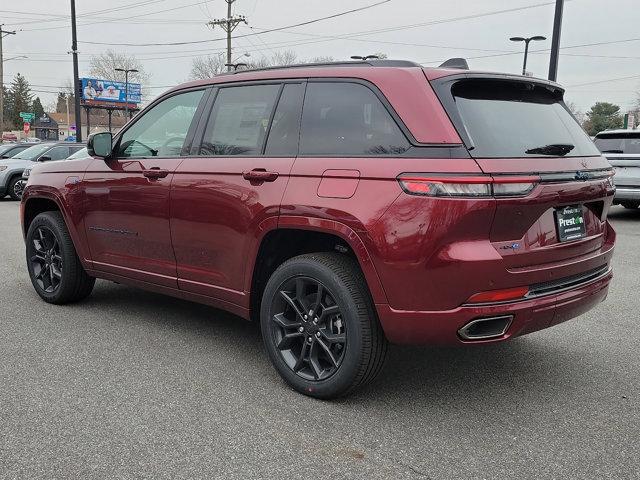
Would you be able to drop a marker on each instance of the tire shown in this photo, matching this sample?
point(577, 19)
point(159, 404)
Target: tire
point(53, 264)
point(11, 187)
point(18, 189)
point(346, 323)
point(630, 205)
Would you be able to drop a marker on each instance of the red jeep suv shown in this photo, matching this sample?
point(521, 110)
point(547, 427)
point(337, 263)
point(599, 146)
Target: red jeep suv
point(343, 206)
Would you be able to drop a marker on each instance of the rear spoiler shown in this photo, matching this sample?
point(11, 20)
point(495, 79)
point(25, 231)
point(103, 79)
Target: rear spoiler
point(459, 63)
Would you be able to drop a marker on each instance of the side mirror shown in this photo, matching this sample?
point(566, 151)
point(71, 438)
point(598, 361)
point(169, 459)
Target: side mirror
point(100, 145)
point(44, 158)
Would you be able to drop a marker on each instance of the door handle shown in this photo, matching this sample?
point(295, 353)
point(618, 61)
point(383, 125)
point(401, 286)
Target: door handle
point(155, 173)
point(260, 175)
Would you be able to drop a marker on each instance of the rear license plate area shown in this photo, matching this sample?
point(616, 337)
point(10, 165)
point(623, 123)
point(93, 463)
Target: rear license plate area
point(570, 223)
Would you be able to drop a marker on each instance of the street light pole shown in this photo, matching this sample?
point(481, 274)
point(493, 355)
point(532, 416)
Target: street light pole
point(555, 41)
point(77, 87)
point(126, 88)
point(526, 41)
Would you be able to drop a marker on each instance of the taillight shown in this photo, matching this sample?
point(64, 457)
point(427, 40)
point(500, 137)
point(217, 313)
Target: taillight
point(504, 295)
point(467, 185)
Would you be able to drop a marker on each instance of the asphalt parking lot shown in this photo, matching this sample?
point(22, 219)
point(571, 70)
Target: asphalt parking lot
point(130, 384)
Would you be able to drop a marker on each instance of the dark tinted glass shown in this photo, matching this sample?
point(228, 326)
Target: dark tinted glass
point(161, 131)
point(347, 119)
point(285, 129)
point(618, 143)
point(507, 119)
point(57, 153)
point(239, 121)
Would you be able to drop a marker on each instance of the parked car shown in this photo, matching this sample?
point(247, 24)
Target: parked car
point(8, 150)
point(622, 148)
point(343, 206)
point(9, 137)
point(11, 169)
point(22, 183)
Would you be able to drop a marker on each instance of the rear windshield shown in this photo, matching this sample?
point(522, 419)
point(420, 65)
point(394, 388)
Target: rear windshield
point(518, 119)
point(618, 142)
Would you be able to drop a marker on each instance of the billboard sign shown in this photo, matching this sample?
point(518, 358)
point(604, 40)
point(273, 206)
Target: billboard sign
point(107, 92)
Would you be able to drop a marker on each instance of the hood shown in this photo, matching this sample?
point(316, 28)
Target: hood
point(11, 163)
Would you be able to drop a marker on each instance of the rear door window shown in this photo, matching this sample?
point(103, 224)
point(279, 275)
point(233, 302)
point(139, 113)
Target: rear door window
point(239, 120)
point(619, 143)
point(344, 118)
point(517, 119)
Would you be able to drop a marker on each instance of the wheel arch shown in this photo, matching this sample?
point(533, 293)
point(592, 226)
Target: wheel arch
point(305, 235)
point(40, 201)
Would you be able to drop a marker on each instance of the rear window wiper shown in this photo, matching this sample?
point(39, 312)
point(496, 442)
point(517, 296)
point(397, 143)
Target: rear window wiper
point(611, 151)
point(551, 149)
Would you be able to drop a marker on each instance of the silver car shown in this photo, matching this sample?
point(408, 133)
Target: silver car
point(622, 149)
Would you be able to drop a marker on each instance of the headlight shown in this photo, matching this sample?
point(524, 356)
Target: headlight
point(3, 167)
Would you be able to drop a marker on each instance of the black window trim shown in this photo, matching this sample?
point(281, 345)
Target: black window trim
point(416, 149)
point(186, 147)
point(208, 111)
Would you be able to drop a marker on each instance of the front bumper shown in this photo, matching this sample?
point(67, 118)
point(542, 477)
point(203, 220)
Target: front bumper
point(626, 194)
point(441, 327)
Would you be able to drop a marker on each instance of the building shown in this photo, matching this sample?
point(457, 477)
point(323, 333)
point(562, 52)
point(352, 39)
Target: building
point(97, 123)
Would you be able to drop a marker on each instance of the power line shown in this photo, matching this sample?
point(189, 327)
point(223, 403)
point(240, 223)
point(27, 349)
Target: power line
point(308, 22)
point(604, 81)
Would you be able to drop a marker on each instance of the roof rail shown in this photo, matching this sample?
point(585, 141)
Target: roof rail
point(359, 63)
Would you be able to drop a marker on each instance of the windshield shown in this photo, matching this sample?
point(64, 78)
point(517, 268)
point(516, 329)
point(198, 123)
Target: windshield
point(518, 119)
point(618, 142)
point(82, 153)
point(32, 153)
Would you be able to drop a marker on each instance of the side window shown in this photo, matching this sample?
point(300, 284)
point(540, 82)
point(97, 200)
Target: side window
point(161, 131)
point(239, 120)
point(347, 119)
point(285, 128)
point(57, 153)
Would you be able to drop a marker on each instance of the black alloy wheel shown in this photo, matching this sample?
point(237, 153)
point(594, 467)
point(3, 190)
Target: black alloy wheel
point(319, 325)
point(308, 328)
point(18, 188)
point(46, 260)
point(55, 270)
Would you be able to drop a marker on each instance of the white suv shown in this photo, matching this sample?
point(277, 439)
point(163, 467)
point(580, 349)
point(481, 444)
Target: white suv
point(622, 149)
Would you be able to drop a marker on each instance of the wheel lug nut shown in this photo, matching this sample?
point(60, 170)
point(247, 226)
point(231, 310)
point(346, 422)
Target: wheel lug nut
point(318, 334)
point(305, 317)
point(301, 329)
point(310, 339)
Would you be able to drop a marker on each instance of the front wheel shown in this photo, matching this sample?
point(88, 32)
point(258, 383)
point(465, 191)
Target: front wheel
point(320, 327)
point(15, 190)
point(54, 267)
point(18, 189)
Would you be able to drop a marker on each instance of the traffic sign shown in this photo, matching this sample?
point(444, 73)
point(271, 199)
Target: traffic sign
point(26, 127)
point(27, 116)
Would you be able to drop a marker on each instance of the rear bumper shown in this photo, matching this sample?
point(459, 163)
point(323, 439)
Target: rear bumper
point(624, 194)
point(441, 327)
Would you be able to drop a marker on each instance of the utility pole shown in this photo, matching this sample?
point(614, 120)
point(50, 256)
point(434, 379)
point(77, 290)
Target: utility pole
point(228, 25)
point(555, 41)
point(2, 34)
point(77, 86)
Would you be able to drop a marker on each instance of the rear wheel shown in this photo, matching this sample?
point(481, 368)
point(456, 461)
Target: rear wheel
point(320, 327)
point(12, 188)
point(630, 205)
point(54, 267)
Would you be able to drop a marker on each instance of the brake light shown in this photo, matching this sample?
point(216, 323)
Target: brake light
point(504, 295)
point(467, 185)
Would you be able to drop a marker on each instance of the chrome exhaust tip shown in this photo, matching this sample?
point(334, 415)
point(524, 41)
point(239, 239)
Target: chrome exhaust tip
point(486, 328)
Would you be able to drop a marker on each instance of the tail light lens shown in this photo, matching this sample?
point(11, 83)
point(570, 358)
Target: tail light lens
point(505, 295)
point(466, 186)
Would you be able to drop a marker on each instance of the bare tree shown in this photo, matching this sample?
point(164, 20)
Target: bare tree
point(104, 66)
point(207, 67)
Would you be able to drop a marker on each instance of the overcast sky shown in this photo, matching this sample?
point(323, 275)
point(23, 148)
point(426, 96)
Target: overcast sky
point(426, 31)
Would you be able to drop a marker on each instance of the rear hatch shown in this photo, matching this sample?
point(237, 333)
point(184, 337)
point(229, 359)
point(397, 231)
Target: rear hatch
point(552, 186)
point(622, 149)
